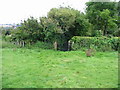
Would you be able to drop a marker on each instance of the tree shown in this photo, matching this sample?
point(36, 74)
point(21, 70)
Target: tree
point(29, 31)
point(107, 23)
point(69, 22)
point(50, 29)
point(103, 15)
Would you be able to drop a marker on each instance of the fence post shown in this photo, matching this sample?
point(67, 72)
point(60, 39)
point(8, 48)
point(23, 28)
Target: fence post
point(70, 45)
point(23, 44)
point(20, 43)
point(55, 45)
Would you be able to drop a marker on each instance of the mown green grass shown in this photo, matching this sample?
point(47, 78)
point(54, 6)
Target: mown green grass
point(37, 68)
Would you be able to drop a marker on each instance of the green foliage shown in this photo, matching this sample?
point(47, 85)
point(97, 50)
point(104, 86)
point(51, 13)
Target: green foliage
point(41, 45)
point(63, 23)
point(6, 34)
point(71, 21)
point(8, 44)
point(6, 38)
point(29, 31)
point(50, 28)
point(97, 33)
point(98, 43)
point(103, 16)
point(60, 25)
point(64, 16)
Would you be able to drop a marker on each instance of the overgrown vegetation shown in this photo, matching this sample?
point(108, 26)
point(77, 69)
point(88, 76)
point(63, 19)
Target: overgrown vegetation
point(61, 24)
point(104, 17)
point(97, 43)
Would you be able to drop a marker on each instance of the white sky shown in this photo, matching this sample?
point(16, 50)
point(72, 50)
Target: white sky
point(13, 11)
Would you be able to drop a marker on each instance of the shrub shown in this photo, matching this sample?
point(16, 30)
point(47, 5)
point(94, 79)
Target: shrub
point(42, 45)
point(7, 38)
point(97, 43)
point(6, 44)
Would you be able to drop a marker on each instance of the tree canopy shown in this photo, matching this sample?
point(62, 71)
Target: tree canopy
point(103, 16)
point(61, 24)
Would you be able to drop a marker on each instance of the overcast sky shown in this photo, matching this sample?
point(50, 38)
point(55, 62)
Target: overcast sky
point(13, 11)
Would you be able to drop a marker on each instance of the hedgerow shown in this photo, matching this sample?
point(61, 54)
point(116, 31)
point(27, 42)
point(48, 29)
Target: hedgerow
point(97, 43)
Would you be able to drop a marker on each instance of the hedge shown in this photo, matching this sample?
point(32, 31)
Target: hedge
point(97, 43)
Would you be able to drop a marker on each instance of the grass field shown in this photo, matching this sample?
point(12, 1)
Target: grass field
point(37, 68)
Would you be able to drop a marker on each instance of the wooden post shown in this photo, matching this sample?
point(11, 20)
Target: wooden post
point(20, 43)
point(17, 42)
point(72, 45)
point(23, 43)
point(69, 45)
point(55, 45)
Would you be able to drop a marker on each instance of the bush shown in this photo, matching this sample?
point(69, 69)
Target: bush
point(7, 38)
point(8, 45)
point(42, 45)
point(97, 43)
